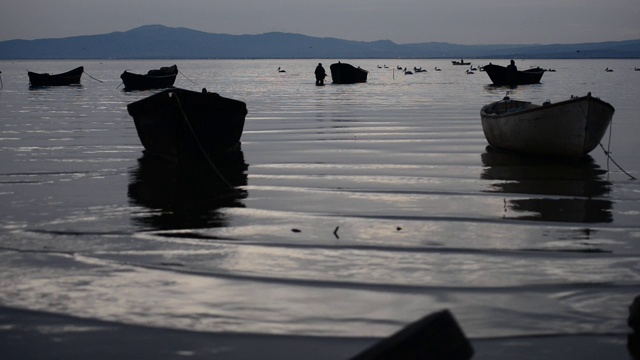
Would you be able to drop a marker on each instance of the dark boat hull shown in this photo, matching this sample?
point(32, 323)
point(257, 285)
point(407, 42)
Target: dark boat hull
point(342, 73)
point(184, 126)
point(71, 77)
point(154, 79)
point(500, 76)
point(570, 128)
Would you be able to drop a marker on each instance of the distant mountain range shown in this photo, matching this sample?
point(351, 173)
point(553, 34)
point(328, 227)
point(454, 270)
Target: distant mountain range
point(161, 42)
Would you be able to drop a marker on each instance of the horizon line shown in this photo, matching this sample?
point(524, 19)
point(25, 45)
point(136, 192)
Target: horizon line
point(318, 37)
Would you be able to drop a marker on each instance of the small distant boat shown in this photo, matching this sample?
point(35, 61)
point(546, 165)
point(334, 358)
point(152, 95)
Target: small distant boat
point(342, 73)
point(570, 128)
point(608, 70)
point(461, 62)
point(70, 77)
point(153, 79)
point(500, 75)
point(183, 125)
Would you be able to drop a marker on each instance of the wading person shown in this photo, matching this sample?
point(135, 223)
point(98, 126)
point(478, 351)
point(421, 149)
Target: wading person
point(320, 74)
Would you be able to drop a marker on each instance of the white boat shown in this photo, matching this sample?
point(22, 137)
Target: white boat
point(570, 128)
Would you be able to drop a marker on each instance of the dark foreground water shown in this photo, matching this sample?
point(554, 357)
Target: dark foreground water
point(357, 209)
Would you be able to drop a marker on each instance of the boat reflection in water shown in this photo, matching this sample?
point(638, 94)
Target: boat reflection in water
point(187, 196)
point(561, 190)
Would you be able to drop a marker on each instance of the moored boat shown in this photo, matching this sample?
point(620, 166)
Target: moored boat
point(501, 75)
point(70, 77)
point(153, 79)
point(570, 128)
point(184, 125)
point(461, 62)
point(342, 73)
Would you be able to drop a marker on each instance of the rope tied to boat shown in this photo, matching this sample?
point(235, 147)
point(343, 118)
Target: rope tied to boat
point(608, 154)
point(89, 75)
point(607, 151)
point(193, 82)
point(195, 137)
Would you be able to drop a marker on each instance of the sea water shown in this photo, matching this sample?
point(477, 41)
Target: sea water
point(357, 208)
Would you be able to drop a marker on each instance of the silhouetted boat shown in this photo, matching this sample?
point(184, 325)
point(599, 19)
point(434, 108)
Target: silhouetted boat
point(184, 125)
point(67, 78)
point(342, 73)
point(570, 128)
point(437, 336)
point(153, 79)
point(499, 75)
point(461, 62)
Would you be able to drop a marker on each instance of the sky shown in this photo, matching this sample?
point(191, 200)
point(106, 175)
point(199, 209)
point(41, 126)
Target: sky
point(401, 21)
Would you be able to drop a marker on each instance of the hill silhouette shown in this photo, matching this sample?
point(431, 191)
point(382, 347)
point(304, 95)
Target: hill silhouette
point(161, 42)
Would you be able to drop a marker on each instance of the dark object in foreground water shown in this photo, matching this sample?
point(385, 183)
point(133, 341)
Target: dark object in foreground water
point(633, 340)
point(153, 79)
point(70, 77)
point(436, 337)
point(342, 73)
point(184, 126)
point(634, 315)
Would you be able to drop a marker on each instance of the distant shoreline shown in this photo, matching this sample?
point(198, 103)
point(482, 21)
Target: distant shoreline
point(161, 42)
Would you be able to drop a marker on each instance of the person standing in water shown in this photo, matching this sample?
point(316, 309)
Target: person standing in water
point(320, 74)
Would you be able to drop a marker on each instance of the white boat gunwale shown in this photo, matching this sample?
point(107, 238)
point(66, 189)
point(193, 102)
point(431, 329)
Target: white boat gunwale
point(519, 109)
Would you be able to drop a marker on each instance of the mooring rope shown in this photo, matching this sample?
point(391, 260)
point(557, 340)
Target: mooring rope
point(607, 151)
point(89, 75)
point(608, 154)
point(193, 82)
point(195, 137)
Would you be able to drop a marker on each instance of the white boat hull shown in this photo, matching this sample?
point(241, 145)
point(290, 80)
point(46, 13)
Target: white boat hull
point(569, 128)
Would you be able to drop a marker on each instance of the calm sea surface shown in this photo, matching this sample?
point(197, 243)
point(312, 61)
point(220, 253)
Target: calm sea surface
point(358, 208)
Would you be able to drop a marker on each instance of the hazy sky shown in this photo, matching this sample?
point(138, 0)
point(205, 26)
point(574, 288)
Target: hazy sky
point(402, 21)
